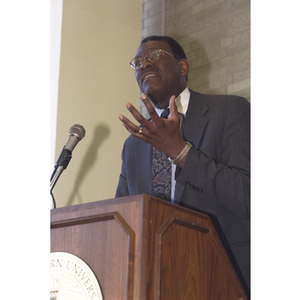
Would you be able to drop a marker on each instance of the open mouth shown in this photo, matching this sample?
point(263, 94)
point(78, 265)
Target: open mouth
point(151, 75)
point(147, 76)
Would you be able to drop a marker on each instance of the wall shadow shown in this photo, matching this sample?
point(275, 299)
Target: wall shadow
point(101, 132)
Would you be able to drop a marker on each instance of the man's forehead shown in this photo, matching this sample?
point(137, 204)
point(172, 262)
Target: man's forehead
point(152, 45)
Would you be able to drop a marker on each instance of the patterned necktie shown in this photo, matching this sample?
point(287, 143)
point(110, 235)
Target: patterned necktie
point(161, 171)
point(165, 113)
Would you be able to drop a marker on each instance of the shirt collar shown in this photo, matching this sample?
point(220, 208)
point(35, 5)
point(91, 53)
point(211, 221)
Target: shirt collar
point(182, 102)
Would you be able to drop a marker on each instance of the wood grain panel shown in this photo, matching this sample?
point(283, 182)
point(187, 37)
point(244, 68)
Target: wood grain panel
point(188, 265)
point(111, 255)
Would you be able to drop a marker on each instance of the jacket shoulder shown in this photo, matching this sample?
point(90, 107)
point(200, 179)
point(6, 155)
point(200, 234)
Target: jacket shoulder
point(219, 100)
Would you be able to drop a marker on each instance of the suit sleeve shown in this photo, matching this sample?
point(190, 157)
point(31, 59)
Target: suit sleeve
point(122, 189)
point(224, 179)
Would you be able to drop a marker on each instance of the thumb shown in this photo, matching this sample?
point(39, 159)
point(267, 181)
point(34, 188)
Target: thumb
point(173, 108)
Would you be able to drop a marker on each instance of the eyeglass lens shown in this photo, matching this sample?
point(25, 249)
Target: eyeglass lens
point(153, 56)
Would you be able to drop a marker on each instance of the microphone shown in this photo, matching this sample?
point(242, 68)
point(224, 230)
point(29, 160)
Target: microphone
point(76, 134)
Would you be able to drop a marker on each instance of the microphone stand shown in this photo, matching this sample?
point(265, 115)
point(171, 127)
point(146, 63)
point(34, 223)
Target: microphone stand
point(62, 164)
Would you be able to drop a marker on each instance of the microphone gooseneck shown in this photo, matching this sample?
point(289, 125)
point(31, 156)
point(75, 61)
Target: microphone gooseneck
point(76, 134)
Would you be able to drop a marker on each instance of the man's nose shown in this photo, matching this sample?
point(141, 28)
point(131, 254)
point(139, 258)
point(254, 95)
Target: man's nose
point(146, 63)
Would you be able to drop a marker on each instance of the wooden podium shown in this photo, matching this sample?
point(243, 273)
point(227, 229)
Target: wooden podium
point(143, 248)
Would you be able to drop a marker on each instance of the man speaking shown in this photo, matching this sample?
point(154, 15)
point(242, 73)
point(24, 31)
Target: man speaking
point(193, 151)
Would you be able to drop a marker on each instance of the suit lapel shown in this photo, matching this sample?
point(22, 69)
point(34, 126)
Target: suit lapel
point(194, 124)
point(195, 120)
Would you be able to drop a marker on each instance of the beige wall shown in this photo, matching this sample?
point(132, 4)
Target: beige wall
point(99, 37)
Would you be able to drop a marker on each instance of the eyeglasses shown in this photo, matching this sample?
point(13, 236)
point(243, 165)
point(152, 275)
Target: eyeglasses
point(153, 57)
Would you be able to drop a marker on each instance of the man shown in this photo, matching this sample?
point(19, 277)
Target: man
point(207, 137)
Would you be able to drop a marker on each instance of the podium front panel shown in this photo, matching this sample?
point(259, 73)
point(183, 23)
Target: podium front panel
point(107, 244)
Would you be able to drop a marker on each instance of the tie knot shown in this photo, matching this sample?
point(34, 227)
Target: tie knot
point(165, 113)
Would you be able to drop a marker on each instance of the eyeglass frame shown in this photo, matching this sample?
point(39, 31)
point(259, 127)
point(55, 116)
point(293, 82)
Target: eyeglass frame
point(131, 63)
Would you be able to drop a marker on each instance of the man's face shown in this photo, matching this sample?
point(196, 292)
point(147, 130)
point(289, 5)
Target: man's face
point(159, 80)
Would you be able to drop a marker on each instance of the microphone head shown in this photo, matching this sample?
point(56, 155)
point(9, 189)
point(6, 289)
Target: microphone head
point(78, 131)
point(76, 134)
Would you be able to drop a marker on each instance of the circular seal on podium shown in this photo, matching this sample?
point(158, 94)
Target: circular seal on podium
point(71, 278)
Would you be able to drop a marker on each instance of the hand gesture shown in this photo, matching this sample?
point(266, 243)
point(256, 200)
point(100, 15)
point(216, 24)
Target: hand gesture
point(163, 134)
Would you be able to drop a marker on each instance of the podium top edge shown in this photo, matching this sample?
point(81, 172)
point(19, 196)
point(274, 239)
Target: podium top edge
point(122, 200)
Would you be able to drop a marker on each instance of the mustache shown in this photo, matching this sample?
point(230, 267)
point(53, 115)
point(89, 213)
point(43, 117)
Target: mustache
point(152, 70)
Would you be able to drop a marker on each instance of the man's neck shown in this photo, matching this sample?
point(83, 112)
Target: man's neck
point(164, 102)
point(181, 102)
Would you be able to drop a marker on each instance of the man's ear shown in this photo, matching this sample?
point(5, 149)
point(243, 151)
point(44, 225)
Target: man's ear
point(184, 67)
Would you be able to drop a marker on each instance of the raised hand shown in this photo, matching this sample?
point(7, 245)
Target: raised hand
point(163, 134)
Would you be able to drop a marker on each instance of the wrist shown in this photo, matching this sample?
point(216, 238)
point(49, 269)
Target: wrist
point(182, 154)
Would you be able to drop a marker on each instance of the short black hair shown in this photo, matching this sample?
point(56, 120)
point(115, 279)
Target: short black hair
point(174, 45)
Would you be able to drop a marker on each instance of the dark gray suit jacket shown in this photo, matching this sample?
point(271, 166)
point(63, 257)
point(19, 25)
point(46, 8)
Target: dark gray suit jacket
point(215, 178)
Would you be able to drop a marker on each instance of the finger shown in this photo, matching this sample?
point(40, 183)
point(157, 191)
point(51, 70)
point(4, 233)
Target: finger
point(127, 123)
point(133, 129)
point(173, 109)
point(136, 131)
point(136, 114)
point(149, 106)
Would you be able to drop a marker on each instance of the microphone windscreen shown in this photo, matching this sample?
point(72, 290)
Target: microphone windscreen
point(77, 130)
